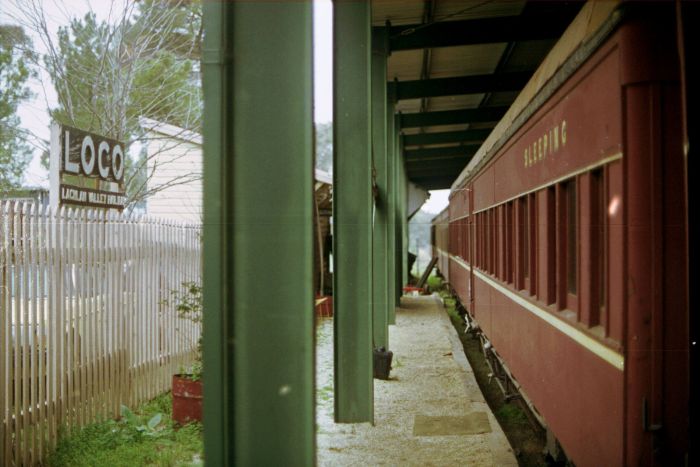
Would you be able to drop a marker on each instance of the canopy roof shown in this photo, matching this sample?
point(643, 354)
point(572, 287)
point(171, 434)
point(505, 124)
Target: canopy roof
point(454, 69)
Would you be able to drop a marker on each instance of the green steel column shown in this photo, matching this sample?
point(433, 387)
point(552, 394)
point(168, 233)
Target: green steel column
point(258, 329)
point(398, 158)
point(352, 213)
point(391, 210)
point(380, 283)
point(216, 67)
point(404, 216)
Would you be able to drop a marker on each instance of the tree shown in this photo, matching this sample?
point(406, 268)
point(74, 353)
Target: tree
point(141, 61)
point(183, 35)
point(324, 146)
point(419, 238)
point(15, 60)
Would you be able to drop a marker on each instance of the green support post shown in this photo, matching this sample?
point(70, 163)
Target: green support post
point(398, 158)
point(380, 283)
point(258, 299)
point(404, 216)
point(352, 213)
point(216, 67)
point(391, 210)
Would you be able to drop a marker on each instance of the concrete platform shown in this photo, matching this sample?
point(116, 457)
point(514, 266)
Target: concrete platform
point(431, 411)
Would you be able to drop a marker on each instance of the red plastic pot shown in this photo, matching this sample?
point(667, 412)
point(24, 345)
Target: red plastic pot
point(187, 399)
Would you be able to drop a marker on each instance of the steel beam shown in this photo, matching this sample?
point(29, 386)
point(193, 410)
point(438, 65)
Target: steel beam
point(471, 136)
point(475, 84)
point(380, 283)
point(479, 31)
point(439, 182)
point(258, 334)
point(453, 117)
point(466, 150)
point(352, 213)
point(447, 164)
point(436, 171)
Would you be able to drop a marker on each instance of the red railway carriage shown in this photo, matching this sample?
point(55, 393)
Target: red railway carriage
point(567, 243)
point(439, 233)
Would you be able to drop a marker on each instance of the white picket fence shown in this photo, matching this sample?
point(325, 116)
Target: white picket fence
point(87, 321)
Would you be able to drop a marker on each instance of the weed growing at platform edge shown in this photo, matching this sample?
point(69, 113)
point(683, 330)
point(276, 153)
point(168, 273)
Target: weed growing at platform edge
point(526, 440)
point(434, 283)
point(133, 441)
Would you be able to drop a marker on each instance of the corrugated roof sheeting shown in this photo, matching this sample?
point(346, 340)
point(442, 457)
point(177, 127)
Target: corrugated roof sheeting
point(399, 12)
point(465, 60)
point(463, 101)
point(408, 106)
point(404, 65)
point(457, 9)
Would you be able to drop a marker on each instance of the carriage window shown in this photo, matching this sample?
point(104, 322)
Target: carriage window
point(465, 240)
point(531, 249)
point(498, 238)
point(458, 227)
point(487, 241)
point(571, 236)
point(493, 239)
point(509, 242)
point(480, 230)
point(598, 251)
point(526, 237)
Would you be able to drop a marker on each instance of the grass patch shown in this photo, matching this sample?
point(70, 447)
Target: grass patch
point(513, 414)
point(146, 436)
point(326, 393)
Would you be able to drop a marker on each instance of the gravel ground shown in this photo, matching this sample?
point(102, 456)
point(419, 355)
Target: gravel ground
point(431, 382)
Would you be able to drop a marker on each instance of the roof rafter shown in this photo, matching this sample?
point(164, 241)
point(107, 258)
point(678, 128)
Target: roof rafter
point(452, 117)
point(540, 20)
point(474, 136)
point(433, 153)
point(474, 84)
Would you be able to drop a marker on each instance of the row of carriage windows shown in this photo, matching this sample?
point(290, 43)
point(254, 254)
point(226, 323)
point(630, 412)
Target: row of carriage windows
point(550, 245)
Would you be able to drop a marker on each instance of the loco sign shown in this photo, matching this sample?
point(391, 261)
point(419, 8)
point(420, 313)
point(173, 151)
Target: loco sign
point(80, 155)
point(86, 169)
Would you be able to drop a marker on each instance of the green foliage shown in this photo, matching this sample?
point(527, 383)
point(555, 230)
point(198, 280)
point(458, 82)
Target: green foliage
point(182, 33)
point(178, 98)
point(188, 304)
point(134, 426)
point(15, 58)
point(513, 414)
point(324, 146)
point(145, 437)
point(452, 312)
point(79, 75)
point(435, 283)
point(419, 239)
point(107, 75)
